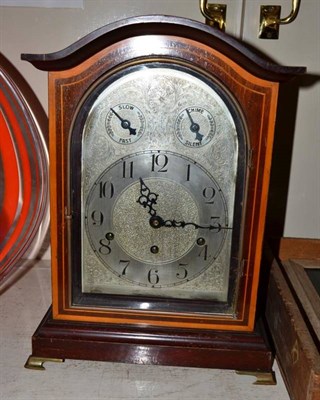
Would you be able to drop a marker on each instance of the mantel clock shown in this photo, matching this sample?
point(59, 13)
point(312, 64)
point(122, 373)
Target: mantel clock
point(161, 133)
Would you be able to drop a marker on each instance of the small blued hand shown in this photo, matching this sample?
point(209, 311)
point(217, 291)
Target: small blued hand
point(147, 198)
point(125, 124)
point(194, 127)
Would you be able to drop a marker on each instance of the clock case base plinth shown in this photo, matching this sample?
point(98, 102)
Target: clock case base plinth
point(57, 339)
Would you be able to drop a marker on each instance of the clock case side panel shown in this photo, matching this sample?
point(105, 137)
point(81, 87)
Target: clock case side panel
point(74, 83)
point(62, 88)
point(257, 197)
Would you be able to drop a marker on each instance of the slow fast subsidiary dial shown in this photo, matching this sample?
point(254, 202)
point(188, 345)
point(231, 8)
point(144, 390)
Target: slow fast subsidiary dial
point(125, 123)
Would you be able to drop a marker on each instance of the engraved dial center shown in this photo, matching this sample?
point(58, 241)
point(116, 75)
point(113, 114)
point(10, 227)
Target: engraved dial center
point(136, 233)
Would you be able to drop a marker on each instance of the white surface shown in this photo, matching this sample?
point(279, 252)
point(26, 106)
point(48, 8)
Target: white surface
point(298, 44)
point(22, 307)
point(43, 3)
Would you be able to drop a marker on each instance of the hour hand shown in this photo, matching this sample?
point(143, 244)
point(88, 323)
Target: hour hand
point(147, 198)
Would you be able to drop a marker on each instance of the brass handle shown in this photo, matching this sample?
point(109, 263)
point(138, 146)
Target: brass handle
point(270, 19)
point(215, 14)
point(293, 15)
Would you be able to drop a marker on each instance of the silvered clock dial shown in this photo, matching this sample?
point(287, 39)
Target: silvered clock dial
point(156, 218)
point(160, 161)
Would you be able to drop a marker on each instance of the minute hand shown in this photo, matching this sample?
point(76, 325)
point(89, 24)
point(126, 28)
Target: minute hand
point(182, 224)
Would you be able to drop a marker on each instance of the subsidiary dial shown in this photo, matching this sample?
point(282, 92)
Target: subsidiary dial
point(125, 123)
point(195, 126)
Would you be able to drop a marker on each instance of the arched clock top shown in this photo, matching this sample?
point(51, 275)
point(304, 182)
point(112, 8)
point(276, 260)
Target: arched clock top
point(166, 26)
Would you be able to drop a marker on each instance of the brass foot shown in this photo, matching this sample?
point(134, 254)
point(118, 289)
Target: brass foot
point(263, 378)
point(37, 362)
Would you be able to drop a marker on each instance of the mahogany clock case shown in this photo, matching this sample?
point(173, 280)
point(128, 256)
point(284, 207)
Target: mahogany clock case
point(167, 331)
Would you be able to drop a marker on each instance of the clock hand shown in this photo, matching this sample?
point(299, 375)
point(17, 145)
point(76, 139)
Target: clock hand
point(125, 124)
point(194, 127)
point(147, 198)
point(157, 222)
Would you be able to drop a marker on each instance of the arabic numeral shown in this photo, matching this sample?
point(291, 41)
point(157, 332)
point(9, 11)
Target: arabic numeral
point(97, 218)
point(209, 194)
point(153, 277)
point(188, 172)
point(182, 272)
point(105, 248)
point(124, 264)
point(127, 169)
point(204, 253)
point(216, 223)
point(106, 190)
point(159, 163)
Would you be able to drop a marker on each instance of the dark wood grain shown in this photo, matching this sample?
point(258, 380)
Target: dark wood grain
point(161, 25)
point(297, 352)
point(299, 248)
point(129, 344)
